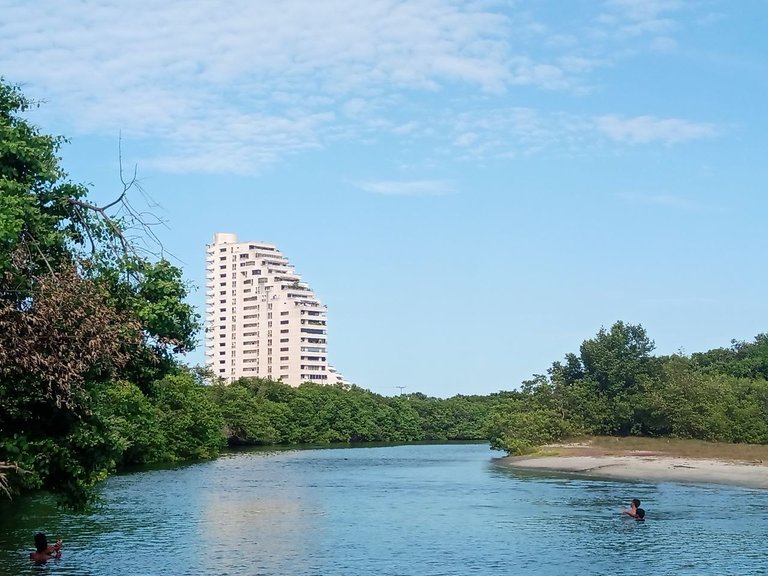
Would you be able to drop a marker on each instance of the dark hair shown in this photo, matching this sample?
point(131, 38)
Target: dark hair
point(640, 514)
point(636, 502)
point(41, 542)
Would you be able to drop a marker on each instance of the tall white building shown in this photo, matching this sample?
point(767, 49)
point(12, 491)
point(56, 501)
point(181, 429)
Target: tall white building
point(261, 319)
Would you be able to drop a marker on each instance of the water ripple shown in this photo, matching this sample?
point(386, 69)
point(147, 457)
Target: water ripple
point(443, 510)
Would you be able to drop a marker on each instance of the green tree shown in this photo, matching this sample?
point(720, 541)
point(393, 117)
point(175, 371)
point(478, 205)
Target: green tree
point(617, 359)
point(192, 424)
point(79, 307)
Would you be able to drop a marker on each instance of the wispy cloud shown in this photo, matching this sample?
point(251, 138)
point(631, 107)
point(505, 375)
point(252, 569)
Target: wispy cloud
point(407, 187)
point(647, 129)
point(668, 201)
point(632, 18)
point(262, 78)
point(511, 132)
point(236, 86)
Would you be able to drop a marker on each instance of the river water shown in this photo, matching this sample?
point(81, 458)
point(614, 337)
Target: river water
point(442, 510)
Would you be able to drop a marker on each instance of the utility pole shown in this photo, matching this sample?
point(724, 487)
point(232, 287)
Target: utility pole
point(401, 389)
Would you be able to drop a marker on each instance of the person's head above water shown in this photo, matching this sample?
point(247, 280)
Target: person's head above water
point(639, 514)
point(41, 542)
point(635, 502)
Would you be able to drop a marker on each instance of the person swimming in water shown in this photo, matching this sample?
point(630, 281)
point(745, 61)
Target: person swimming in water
point(634, 510)
point(43, 552)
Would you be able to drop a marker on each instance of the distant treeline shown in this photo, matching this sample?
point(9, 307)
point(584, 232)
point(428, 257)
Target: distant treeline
point(614, 386)
point(267, 412)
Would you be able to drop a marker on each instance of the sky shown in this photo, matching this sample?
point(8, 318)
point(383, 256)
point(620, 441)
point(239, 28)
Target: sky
point(472, 187)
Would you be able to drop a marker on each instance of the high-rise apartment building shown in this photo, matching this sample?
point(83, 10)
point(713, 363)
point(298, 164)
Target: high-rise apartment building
point(261, 319)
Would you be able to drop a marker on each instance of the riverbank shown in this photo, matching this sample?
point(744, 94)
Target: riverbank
point(599, 459)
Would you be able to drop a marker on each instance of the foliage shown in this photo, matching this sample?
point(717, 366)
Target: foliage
point(615, 387)
point(520, 432)
point(191, 423)
point(133, 420)
point(742, 359)
point(63, 334)
point(81, 311)
point(35, 214)
point(260, 411)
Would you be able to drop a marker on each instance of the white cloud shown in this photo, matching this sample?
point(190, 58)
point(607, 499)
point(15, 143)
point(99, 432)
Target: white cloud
point(668, 201)
point(177, 72)
point(647, 129)
point(663, 44)
point(510, 132)
point(235, 86)
point(631, 18)
point(407, 187)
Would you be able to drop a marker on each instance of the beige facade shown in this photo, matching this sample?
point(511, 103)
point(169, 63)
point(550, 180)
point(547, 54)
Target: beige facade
point(261, 319)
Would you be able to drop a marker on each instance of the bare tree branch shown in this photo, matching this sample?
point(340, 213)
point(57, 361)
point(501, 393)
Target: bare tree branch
point(102, 210)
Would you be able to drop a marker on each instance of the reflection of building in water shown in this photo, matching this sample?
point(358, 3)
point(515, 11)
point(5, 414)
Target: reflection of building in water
point(255, 522)
point(262, 320)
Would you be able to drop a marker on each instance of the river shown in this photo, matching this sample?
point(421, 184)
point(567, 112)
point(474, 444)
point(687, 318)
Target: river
point(442, 510)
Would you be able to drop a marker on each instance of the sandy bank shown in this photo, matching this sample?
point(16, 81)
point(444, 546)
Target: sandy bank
point(654, 468)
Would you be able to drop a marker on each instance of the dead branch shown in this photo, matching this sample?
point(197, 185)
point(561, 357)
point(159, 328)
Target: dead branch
point(120, 217)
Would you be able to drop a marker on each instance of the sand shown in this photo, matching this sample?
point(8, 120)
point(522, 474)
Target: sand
point(653, 468)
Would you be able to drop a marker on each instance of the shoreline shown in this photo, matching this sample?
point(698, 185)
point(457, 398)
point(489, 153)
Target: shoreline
point(645, 467)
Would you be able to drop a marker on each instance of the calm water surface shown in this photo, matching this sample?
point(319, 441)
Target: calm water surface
point(400, 510)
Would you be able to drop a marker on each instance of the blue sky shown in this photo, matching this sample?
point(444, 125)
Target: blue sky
point(473, 188)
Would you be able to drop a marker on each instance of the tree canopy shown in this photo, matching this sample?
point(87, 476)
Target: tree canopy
point(614, 386)
point(80, 308)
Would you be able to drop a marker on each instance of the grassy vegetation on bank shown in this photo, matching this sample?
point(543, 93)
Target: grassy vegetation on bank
point(674, 447)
